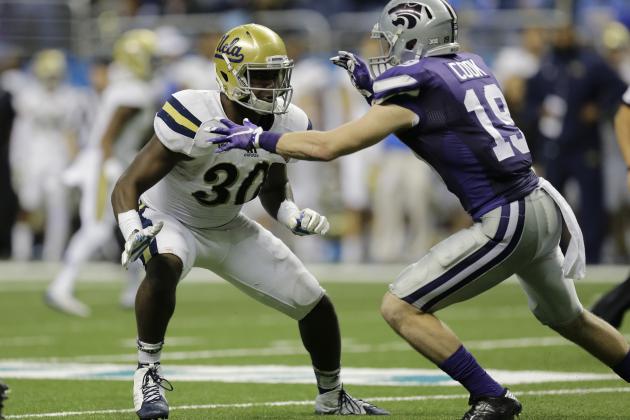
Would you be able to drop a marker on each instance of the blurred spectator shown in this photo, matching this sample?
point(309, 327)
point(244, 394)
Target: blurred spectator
point(195, 70)
point(45, 127)
point(403, 224)
point(7, 196)
point(615, 44)
point(574, 89)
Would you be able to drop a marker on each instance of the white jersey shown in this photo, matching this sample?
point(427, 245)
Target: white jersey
point(125, 90)
point(209, 189)
point(44, 120)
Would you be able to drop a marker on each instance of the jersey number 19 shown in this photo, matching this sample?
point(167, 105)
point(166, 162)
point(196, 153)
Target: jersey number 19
point(504, 148)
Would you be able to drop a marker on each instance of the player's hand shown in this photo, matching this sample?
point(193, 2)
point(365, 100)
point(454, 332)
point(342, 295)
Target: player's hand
point(137, 242)
point(357, 70)
point(235, 136)
point(308, 222)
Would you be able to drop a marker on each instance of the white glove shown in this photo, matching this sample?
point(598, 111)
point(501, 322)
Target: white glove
point(137, 242)
point(302, 222)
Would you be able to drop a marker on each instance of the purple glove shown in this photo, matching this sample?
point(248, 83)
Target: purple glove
point(248, 137)
point(358, 71)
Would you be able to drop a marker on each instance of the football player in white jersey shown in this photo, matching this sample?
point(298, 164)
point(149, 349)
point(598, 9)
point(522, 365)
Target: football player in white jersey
point(45, 127)
point(123, 123)
point(189, 215)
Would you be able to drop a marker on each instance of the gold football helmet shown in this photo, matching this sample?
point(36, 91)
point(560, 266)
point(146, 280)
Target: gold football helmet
point(253, 69)
point(135, 50)
point(49, 66)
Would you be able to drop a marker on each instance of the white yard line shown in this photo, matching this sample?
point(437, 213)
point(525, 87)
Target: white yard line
point(31, 341)
point(297, 349)
point(41, 272)
point(569, 391)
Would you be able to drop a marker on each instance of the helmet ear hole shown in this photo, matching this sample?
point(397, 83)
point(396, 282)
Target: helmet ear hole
point(225, 76)
point(411, 44)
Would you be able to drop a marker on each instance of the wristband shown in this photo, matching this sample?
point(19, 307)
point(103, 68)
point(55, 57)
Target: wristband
point(128, 222)
point(286, 211)
point(267, 141)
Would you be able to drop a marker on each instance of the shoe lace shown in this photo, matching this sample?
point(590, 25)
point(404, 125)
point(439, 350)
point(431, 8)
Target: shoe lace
point(350, 404)
point(151, 384)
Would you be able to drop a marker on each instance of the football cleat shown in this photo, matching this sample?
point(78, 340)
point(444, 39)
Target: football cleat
point(613, 305)
point(66, 303)
point(148, 392)
point(339, 402)
point(4, 390)
point(505, 407)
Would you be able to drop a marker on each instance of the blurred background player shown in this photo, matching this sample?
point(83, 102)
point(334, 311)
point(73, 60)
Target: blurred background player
point(190, 216)
point(122, 125)
point(613, 305)
point(43, 138)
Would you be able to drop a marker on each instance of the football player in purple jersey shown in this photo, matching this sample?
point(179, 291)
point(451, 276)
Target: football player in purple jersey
point(447, 107)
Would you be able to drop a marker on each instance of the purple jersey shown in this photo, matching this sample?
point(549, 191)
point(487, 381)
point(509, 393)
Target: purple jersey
point(465, 130)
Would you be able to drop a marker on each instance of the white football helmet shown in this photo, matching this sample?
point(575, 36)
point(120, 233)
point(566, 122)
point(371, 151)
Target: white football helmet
point(410, 30)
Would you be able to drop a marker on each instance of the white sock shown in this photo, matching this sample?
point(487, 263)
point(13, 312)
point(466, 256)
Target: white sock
point(327, 380)
point(21, 242)
point(149, 353)
point(65, 280)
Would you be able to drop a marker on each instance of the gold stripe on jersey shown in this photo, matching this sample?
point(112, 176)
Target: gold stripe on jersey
point(179, 118)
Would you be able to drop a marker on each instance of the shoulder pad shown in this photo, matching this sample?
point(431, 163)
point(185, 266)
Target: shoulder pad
point(177, 116)
point(402, 79)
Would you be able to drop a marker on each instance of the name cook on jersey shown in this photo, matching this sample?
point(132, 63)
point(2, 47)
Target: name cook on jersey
point(467, 69)
point(231, 50)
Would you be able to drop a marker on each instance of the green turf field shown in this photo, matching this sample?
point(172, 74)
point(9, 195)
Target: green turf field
point(215, 325)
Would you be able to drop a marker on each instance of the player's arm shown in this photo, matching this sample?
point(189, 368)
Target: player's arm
point(121, 116)
point(622, 130)
point(276, 197)
point(150, 165)
point(374, 126)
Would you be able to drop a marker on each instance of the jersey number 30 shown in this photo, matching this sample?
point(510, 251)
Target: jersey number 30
point(220, 189)
point(493, 95)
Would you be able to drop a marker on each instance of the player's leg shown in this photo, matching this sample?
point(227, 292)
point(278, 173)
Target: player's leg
point(274, 276)
point(22, 237)
point(83, 244)
point(552, 298)
point(459, 268)
point(167, 259)
point(613, 305)
point(57, 220)
point(4, 390)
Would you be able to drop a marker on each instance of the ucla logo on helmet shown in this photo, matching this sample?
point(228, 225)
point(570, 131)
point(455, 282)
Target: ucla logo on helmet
point(232, 50)
point(409, 14)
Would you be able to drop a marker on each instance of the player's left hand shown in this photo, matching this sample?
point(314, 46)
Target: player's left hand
point(357, 70)
point(137, 242)
point(235, 136)
point(308, 222)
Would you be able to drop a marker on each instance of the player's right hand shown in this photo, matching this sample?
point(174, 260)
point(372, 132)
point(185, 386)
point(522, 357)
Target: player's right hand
point(357, 70)
point(308, 222)
point(137, 242)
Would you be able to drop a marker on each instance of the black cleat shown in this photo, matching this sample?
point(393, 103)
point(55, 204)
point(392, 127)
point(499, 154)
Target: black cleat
point(505, 407)
point(4, 390)
point(613, 305)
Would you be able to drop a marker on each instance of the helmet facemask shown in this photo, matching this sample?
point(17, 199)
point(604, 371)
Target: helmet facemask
point(263, 87)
